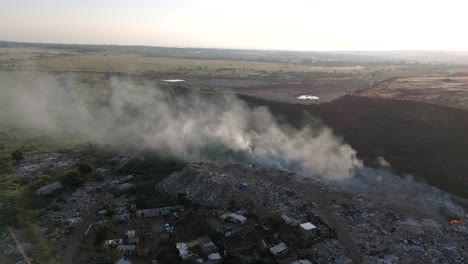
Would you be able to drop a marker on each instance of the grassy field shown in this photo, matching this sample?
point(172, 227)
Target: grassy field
point(38, 59)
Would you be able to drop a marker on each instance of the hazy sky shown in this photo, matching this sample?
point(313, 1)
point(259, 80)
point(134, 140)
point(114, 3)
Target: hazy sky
point(263, 24)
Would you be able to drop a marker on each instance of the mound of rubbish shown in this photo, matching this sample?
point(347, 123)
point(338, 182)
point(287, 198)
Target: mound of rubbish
point(377, 218)
point(35, 166)
point(222, 185)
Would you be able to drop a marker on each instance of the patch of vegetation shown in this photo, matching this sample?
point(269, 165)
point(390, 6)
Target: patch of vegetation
point(85, 168)
point(33, 234)
point(73, 180)
point(17, 155)
point(102, 233)
point(149, 169)
point(45, 253)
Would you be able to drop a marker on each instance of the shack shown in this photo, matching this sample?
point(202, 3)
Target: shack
point(279, 250)
point(308, 229)
point(237, 218)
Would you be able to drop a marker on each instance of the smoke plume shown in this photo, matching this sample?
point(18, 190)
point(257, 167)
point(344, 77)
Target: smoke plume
point(185, 125)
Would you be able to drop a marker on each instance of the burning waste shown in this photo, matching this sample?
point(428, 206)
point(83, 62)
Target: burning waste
point(186, 125)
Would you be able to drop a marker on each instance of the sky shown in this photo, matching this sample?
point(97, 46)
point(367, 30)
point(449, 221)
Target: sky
point(316, 25)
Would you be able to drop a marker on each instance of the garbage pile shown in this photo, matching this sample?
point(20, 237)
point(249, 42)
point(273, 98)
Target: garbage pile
point(376, 219)
point(70, 213)
point(35, 166)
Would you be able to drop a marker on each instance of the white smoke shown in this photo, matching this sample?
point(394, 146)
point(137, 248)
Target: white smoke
point(185, 125)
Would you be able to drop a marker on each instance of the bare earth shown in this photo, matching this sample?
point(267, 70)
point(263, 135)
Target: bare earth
point(445, 91)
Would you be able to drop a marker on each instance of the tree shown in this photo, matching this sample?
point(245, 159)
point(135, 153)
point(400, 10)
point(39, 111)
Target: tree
point(102, 233)
point(84, 168)
point(17, 155)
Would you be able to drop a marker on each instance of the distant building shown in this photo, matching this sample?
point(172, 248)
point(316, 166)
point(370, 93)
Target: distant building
point(183, 250)
point(308, 229)
point(113, 242)
point(225, 216)
point(301, 261)
point(209, 247)
point(123, 260)
point(130, 234)
point(225, 230)
point(173, 80)
point(237, 218)
point(279, 250)
point(290, 221)
point(215, 257)
point(309, 97)
point(127, 250)
point(156, 212)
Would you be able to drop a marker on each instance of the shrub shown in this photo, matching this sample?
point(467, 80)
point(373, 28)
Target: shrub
point(73, 180)
point(84, 168)
point(33, 234)
point(103, 232)
point(17, 155)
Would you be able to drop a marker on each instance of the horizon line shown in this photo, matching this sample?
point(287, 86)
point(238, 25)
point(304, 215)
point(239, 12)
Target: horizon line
point(220, 48)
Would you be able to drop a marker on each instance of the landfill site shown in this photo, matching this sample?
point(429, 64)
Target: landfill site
point(357, 223)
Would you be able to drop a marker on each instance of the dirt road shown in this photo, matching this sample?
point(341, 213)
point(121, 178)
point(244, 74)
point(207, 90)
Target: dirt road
point(73, 240)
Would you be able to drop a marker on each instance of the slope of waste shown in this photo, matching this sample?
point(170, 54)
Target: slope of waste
point(378, 217)
point(446, 91)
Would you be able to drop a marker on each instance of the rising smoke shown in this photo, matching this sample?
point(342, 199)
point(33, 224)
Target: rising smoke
point(185, 125)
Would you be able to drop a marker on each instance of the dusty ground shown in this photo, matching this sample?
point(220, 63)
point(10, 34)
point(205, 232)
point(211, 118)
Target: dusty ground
point(446, 91)
point(327, 89)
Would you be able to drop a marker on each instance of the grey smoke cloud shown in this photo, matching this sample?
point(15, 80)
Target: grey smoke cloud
point(186, 125)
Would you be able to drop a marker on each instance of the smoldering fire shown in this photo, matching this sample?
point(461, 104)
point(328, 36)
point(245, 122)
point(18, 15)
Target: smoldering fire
point(185, 125)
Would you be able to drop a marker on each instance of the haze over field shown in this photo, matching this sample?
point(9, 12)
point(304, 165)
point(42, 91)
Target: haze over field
point(292, 25)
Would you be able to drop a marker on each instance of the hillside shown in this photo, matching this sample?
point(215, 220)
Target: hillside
point(446, 91)
point(425, 140)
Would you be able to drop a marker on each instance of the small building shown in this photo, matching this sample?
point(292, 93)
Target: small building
point(241, 211)
point(209, 247)
point(290, 221)
point(225, 216)
point(148, 213)
point(183, 250)
point(173, 80)
point(130, 234)
point(123, 260)
point(215, 257)
point(113, 242)
point(308, 229)
point(301, 261)
point(279, 250)
point(127, 250)
point(156, 212)
point(193, 243)
point(225, 230)
point(313, 98)
point(237, 218)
